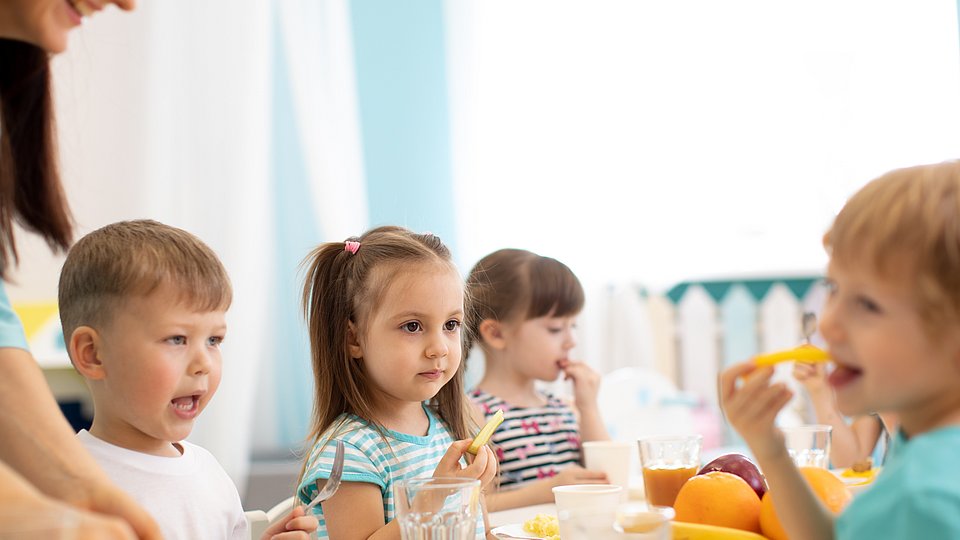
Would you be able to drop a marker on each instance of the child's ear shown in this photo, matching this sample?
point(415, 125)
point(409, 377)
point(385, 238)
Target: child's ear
point(353, 342)
point(491, 332)
point(84, 351)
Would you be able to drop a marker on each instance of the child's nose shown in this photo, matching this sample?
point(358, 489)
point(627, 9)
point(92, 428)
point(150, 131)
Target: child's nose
point(830, 327)
point(437, 348)
point(201, 363)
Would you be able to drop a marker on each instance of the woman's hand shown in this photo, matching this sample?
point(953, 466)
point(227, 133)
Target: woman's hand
point(751, 404)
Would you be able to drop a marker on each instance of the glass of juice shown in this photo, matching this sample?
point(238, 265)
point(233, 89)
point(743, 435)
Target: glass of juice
point(667, 462)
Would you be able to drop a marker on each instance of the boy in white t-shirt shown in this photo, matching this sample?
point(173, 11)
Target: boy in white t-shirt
point(143, 310)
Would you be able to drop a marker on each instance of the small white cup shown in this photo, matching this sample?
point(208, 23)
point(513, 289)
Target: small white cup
point(613, 458)
point(587, 511)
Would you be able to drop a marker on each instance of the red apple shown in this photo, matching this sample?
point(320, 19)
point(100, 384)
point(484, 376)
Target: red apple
point(741, 466)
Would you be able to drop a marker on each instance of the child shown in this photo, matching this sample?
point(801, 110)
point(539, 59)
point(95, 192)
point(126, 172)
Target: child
point(523, 315)
point(892, 325)
point(143, 309)
point(852, 443)
point(384, 314)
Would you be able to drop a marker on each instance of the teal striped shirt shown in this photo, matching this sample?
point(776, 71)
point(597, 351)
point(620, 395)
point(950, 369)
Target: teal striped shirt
point(11, 331)
point(374, 459)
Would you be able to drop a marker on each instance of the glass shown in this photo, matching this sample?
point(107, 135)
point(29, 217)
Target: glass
point(586, 511)
point(437, 508)
point(641, 521)
point(808, 445)
point(667, 463)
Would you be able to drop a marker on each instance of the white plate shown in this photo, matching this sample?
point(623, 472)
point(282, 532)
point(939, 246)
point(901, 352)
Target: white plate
point(514, 530)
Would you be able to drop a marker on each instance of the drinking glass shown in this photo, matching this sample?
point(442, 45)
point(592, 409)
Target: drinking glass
point(437, 508)
point(668, 461)
point(808, 445)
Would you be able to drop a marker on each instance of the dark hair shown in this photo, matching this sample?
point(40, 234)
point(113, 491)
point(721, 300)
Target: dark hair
point(30, 189)
point(516, 284)
point(342, 286)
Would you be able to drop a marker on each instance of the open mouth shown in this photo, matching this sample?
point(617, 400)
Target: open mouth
point(843, 375)
point(80, 7)
point(186, 406)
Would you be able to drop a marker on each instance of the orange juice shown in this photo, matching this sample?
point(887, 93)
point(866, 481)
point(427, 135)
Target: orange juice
point(662, 485)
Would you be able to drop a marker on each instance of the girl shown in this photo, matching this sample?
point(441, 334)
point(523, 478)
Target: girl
point(384, 313)
point(523, 315)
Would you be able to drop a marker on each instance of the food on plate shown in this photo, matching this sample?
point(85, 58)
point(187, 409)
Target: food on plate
point(828, 488)
point(544, 526)
point(719, 498)
point(487, 432)
point(741, 466)
point(860, 469)
point(803, 353)
point(698, 531)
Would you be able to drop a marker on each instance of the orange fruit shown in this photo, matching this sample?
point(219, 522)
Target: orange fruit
point(721, 499)
point(828, 488)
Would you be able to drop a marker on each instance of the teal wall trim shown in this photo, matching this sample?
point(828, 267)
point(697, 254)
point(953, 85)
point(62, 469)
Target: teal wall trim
point(296, 233)
point(400, 63)
point(758, 288)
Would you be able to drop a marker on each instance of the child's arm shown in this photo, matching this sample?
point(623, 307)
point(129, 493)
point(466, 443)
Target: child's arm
point(541, 491)
point(751, 406)
point(848, 442)
point(356, 512)
point(295, 525)
point(586, 385)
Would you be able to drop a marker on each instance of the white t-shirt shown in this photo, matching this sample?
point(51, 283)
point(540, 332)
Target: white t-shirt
point(190, 496)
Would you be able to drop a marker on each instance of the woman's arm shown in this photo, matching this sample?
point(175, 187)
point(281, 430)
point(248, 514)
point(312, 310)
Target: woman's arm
point(41, 446)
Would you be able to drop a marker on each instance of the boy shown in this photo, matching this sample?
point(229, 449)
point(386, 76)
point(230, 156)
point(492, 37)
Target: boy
point(892, 323)
point(143, 310)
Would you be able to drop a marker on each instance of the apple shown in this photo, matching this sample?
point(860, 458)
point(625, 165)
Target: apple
point(741, 466)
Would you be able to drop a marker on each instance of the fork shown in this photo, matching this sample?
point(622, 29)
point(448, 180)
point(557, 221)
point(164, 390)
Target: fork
point(333, 483)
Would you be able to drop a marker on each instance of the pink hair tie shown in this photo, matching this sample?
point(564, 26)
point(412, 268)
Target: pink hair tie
point(351, 246)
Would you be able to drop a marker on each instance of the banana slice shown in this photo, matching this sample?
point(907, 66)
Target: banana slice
point(803, 353)
point(485, 433)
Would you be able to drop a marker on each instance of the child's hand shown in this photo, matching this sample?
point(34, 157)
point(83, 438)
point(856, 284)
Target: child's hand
point(575, 474)
point(294, 525)
point(812, 376)
point(586, 382)
point(482, 467)
point(752, 407)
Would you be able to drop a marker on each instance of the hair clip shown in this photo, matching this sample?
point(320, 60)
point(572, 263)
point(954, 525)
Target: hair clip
point(351, 246)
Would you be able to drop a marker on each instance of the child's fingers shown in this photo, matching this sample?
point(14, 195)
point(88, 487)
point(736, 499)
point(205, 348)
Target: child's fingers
point(450, 462)
point(590, 476)
point(479, 463)
point(729, 377)
point(291, 535)
point(302, 523)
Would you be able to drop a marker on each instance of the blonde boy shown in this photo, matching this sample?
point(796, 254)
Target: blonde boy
point(892, 323)
point(143, 310)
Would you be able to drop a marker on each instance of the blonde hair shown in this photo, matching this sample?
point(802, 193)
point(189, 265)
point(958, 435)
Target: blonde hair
point(907, 223)
point(135, 258)
point(341, 287)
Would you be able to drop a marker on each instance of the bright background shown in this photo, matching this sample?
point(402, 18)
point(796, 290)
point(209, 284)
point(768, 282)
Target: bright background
point(644, 143)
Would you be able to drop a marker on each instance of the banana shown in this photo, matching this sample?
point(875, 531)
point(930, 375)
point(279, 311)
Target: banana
point(803, 353)
point(485, 433)
point(696, 531)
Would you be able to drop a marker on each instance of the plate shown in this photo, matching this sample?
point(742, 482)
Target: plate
point(514, 530)
point(856, 484)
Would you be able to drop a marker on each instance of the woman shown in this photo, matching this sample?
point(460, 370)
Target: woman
point(46, 477)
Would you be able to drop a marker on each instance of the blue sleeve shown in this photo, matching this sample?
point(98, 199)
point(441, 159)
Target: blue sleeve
point(11, 330)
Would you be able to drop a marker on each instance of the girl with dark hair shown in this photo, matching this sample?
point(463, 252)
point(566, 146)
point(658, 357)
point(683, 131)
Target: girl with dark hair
point(523, 310)
point(47, 479)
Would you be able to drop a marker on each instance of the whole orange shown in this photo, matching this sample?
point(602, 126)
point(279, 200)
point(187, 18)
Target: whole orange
point(721, 499)
point(827, 487)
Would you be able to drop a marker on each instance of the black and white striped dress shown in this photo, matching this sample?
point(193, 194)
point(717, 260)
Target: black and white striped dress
point(532, 443)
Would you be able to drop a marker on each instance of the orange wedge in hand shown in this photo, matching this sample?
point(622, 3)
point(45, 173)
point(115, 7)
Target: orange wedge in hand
point(803, 353)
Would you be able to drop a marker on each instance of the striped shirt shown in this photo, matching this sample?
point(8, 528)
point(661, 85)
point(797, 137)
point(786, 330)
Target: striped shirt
point(374, 459)
point(533, 443)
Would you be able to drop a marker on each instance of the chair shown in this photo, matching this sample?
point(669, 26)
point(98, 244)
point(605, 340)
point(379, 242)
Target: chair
point(260, 521)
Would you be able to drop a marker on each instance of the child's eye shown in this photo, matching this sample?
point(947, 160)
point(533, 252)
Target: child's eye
point(452, 325)
point(554, 330)
point(412, 326)
point(214, 341)
point(868, 304)
point(177, 340)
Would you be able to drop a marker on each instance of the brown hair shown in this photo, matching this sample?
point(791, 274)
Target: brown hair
point(516, 284)
point(908, 221)
point(30, 189)
point(342, 287)
point(135, 258)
